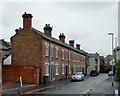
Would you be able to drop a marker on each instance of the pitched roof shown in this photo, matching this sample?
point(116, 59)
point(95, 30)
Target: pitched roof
point(95, 55)
point(52, 39)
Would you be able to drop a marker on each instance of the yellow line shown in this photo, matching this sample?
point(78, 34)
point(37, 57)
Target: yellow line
point(40, 89)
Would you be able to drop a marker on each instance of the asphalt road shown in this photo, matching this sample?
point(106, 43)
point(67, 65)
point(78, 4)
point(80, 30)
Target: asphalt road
point(82, 87)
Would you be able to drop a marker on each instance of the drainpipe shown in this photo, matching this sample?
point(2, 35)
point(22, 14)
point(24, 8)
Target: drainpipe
point(50, 60)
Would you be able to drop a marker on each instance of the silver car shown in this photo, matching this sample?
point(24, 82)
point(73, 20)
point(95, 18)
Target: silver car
point(78, 76)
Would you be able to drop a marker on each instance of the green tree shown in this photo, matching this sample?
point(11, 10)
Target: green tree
point(117, 64)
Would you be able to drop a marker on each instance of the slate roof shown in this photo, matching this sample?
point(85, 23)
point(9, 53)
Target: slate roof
point(52, 39)
point(94, 55)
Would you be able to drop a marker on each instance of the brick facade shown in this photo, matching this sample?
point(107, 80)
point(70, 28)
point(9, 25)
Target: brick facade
point(29, 49)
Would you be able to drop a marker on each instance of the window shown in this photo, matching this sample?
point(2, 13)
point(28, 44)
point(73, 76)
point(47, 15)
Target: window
point(74, 68)
point(56, 69)
point(51, 50)
point(78, 68)
point(69, 55)
point(46, 49)
point(62, 68)
point(66, 54)
point(74, 56)
point(56, 52)
point(47, 68)
point(63, 54)
point(69, 68)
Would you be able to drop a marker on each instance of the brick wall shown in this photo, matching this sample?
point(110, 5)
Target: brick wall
point(12, 73)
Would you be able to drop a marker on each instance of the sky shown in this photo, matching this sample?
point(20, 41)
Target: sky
point(88, 23)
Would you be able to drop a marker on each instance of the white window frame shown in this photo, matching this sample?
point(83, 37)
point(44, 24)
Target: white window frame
point(56, 52)
point(52, 50)
point(57, 71)
point(46, 49)
point(63, 69)
point(73, 68)
point(74, 56)
point(66, 54)
point(47, 69)
point(69, 55)
point(62, 54)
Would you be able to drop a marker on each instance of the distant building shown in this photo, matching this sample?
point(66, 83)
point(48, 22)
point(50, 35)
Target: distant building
point(97, 60)
point(92, 65)
point(102, 59)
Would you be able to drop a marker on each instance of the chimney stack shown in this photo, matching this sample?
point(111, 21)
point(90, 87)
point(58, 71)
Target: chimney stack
point(62, 37)
point(48, 30)
point(71, 42)
point(27, 21)
point(78, 46)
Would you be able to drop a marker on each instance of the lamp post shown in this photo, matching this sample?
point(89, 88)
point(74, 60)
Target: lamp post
point(112, 55)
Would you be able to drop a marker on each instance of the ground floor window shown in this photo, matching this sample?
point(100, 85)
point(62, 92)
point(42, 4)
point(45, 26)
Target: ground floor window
point(78, 68)
point(56, 69)
point(74, 68)
point(69, 68)
point(62, 68)
point(47, 68)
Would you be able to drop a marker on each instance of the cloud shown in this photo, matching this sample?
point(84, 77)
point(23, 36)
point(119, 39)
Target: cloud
point(86, 23)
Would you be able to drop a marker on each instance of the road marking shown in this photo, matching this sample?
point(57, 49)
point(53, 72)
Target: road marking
point(86, 91)
point(41, 89)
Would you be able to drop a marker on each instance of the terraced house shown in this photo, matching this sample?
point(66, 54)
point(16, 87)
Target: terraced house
point(36, 54)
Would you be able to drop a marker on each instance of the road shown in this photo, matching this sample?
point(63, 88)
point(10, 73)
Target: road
point(82, 87)
point(91, 85)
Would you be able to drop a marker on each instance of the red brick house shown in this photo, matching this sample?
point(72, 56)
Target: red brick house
point(36, 54)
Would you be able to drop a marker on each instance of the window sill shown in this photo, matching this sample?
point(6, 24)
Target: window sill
point(63, 73)
point(57, 74)
point(46, 74)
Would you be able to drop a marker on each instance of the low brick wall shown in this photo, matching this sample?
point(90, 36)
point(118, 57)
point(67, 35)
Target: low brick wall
point(29, 73)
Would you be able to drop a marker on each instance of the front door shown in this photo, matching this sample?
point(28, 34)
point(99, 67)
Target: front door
point(66, 71)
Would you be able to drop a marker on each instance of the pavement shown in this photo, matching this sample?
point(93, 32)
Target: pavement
point(7, 86)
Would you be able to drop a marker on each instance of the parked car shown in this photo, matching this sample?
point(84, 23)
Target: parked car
point(78, 76)
point(94, 73)
point(111, 73)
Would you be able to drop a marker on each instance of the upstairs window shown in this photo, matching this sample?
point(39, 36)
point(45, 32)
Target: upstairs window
point(66, 54)
point(46, 49)
point(74, 56)
point(56, 52)
point(51, 50)
point(63, 54)
point(69, 55)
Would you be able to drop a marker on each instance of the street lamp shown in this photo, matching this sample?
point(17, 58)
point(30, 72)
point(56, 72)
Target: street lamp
point(112, 55)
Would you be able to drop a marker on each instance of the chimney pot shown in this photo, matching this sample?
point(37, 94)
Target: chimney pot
point(27, 21)
point(78, 46)
point(48, 30)
point(62, 37)
point(71, 42)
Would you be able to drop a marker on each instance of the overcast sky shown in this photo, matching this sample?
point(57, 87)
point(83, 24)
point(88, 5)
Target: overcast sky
point(88, 23)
